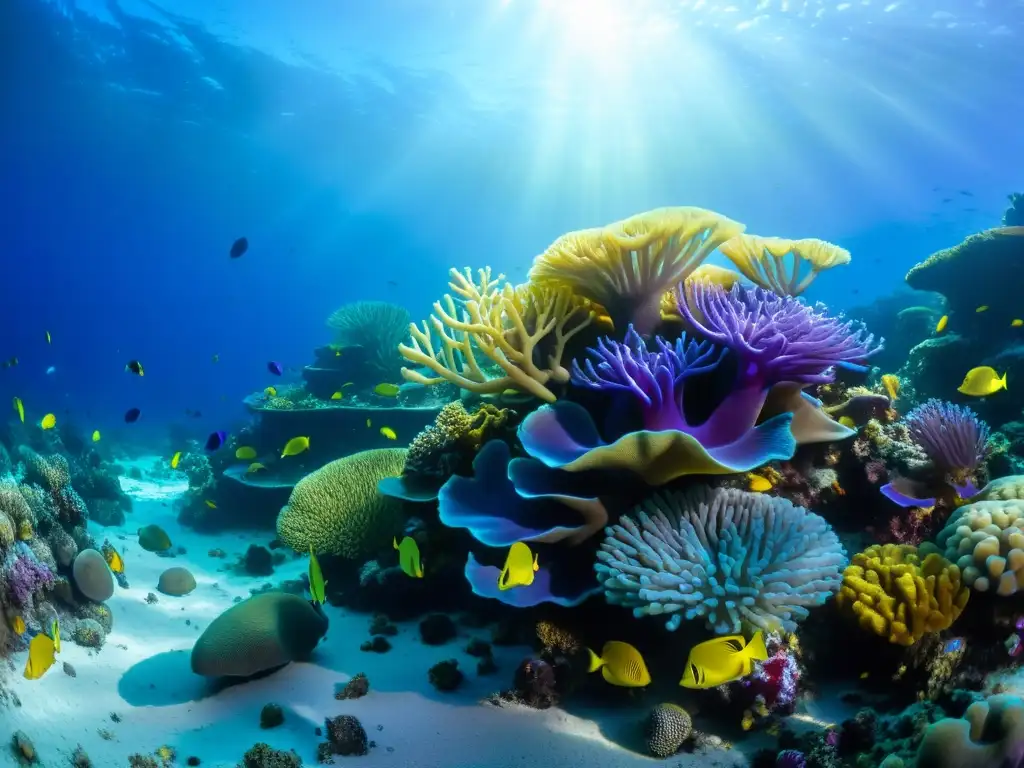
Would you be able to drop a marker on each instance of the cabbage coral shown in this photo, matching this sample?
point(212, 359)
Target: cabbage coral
point(377, 326)
point(627, 266)
point(776, 264)
point(496, 336)
point(954, 438)
point(739, 561)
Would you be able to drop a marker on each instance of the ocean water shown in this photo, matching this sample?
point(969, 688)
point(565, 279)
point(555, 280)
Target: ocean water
point(365, 148)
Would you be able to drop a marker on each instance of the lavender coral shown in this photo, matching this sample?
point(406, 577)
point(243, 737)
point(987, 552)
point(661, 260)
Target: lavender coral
point(26, 576)
point(954, 438)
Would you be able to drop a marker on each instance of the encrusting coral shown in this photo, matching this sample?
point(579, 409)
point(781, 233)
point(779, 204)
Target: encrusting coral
point(740, 561)
point(986, 541)
point(785, 267)
point(895, 593)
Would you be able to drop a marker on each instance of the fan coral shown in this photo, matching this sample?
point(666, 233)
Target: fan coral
point(896, 594)
point(762, 260)
point(627, 266)
point(377, 326)
point(738, 560)
point(986, 541)
point(520, 332)
point(954, 438)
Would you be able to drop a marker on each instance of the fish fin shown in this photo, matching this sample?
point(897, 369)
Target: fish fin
point(756, 650)
point(1003, 380)
point(536, 563)
point(596, 662)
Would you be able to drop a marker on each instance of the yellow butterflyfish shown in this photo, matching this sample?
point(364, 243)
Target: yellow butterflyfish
point(245, 452)
point(1016, 322)
point(42, 652)
point(758, 483)
point(18, 625)
point(389, 433)
point(295, 446)
point(722, 660)
point(95, 435)
point(49, 421)
point(520, 565)
point(114, 560)
point(941, 326)
point(210, 504)
point(254, 467)
point(317, 585)
point(982, 308)
point(20, 409)
point(891, 382)
point(387, 390)
point(620, 664)
point(337, 396)
point(847, 422)
point(270, 391)
point(409, 556)
point(175, 459)
point(982, 381)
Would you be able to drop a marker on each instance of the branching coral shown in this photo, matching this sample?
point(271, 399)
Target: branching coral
point(497, 337)
point(776, 264)
point(627, 266)
point(895, 593)
point(954, 438)
point(986, 541)
point(377, 326)
point(738, 560)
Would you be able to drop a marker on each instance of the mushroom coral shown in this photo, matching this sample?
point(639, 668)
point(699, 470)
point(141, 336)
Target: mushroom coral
point(763, 260)
point(495, 336)
point(627, 266)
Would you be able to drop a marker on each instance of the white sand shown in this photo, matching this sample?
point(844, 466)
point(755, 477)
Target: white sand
point(142, 674)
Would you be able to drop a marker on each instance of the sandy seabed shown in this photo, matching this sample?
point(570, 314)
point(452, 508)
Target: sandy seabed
point(138, 692)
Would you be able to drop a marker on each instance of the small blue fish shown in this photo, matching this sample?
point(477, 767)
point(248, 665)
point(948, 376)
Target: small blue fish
point(953, 645)
point(51, 370)
point(132, 415)
point(275, 368)
point(216, 440)
point(239, 247)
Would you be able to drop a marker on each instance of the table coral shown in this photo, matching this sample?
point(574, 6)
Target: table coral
point(986, 541)
point(896, 594)
point(738, 560)
point(785, 267)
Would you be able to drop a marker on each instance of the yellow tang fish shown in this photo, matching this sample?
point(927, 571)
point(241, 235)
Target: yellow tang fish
point(982, 381)
point(254, 467)
point(982, 308)
point(210, 504)
point(758, 484)
point(49, 421)
point(270, 391)
point(941, 326)
point(42, 652)
point(722, 660)
point(409, 556)
point(95, 435)
point(175, 459)
point(620, 664)
point(317, 585)
point(20, 409)
point(389, 433)
point(18, 625)
point(295, 446)
point(369, 423)
point(114, 560)
point(891, 382)
point(520, 565)
point(245, 452)
point(387, 390)
point(847, 422)
point(337, 396)
point(1016, 323)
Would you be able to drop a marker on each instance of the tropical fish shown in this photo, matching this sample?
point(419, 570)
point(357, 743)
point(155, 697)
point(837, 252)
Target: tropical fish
point(891, 382)
point(20, 408)
point(941, 326)
point(135, 367)
point(337, 353)
point(295, 446)
point(275, 368)
point(982, 381)
point(216, 440)
point(175, 459)
point(337, 396)
point(1016, 323)
point(254, 467)
point(982, 308)
point(239, 247)
point(369, 423)
point(11, 362)
point(520, 565)
point(409, 556)
point(270, 391)
point(49, 421)
point(758, 483)
point(389, 433)
point(245, 452)
point(49, 340)
point(387, 390)
point(55, 635)
point(95, 435)
point(722, 660)
point(18, 625)
point(114, 560)
point(215, 358)
point(620, 664)
point(51, 370)
point(210, 504)
point(153, 538)
point(132, 415)
point(317, 585)
point(42, 652)
point(847, 422)
point(953, 645)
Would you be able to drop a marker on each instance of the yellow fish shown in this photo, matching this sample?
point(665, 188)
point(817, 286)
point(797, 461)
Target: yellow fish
point(982, 308)
point(758, 484)
point(387, 390)
point(389, 433)
point(369, 423)
point(942, 324)
point(295, 446)
point(95, 435)
point(18, 625)
point(317, 585)
point(982, 381)
point(520, 565)
point(42, 652)
point(270, 391)
point(847, 422)
point(175, 459)
point(409, 556)
point(49, 421)
point(337, 396)
point(254, 467)
point(114, 561)
point(748, 720)
point(337, 353)
point(620, 664)
point(1016, 323)
point(245, 452)
point(48, 339)
point(20, 409)
point(722, 660)
point(891, 382)
point(55, 635)
point(210, 504)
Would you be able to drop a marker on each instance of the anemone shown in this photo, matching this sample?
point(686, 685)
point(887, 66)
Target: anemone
point(954, 438)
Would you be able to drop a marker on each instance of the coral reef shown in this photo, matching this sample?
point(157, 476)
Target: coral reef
point(955, 440)
point(448, 447)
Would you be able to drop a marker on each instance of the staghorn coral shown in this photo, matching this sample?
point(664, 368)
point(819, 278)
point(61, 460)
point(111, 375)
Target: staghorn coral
point(763, 261)
point(377, 326)
point(986, 542)
point(627, 266)
point(679, 554)
point(498, 337)
point(895, 593)
point(955, 440)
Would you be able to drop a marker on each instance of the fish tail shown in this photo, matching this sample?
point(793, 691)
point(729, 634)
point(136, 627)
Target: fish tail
point(596, 662)
point(1003, 381)
point(756, 650)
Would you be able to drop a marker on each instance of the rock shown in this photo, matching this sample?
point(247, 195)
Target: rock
point(479, 648)
point(345, 736)
point(377, 644)
point(437, 629)
point(381, 625)
point(176, 581)
point(258, 561)
point(534, 684)
point(271, 716)
point(355, 688)
point(445, 675)
point(92, 575)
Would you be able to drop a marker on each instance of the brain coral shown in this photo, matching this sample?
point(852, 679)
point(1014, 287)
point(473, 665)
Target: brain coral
point(898, 595)
point(738, 560)
point(337, 509)
point(92, 576)
point(985, 540)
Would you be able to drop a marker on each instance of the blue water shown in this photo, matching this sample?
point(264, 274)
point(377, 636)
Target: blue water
point(364, 148)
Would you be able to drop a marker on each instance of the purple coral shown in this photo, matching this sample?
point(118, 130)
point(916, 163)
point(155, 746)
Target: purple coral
point(790, 758)
point(26, 577)
point(655, 378)
point(953, 437)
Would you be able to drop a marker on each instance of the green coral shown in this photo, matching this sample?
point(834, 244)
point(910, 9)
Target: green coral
point(377, 326)
point(337, 509)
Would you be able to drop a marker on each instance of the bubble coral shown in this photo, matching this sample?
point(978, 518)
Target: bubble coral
point(896, 594)
point(986, 541)
point(738, 560)
point(763, 261)
point(954, 438)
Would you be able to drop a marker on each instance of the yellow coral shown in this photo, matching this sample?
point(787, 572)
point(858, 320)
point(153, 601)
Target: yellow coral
point(628, 266)
point(496, 337)
point(892, 592)
point(555, 638)
point(24, 530)
point(776, 263)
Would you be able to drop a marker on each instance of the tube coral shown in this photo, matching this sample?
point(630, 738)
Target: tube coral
point(763, 260)
point(954, 438)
